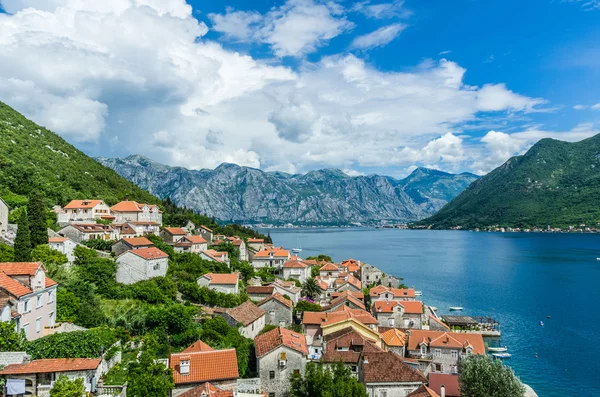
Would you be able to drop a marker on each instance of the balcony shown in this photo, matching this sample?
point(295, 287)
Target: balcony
point(419, 356)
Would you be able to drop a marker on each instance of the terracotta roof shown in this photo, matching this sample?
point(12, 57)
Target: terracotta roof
point(130, 206)
point(196, 239)
point(145, 223)
point(50, 282)
point(288, 286)
point(52, 365)
point(410, 307)
point(57, 239)
point(423, 391)
point(137, 241)
point(20, 268)
point(205, 366)
point(280, 336)
point(276, 253)
point(256, 240)
point(394, 337)
point(207, 390)
point(294, 264)
point(175, 231)
point(449, 381)
point(343, 314)
point(216, 255)
point(445, 339)
point(377, 365)
point(223, 278)
point(397, 292)
point(330, 267)
point(278, 297)
point(147, 253)
point(125, 228)
point(246, 313)
point(92, 227)
point(439, 322)
point(344, 298)
point(348, 339)
point(259, 290)
point(13, 286)
point(357, 294)
point(198, 346)
point(205, 228)
point(82, 204)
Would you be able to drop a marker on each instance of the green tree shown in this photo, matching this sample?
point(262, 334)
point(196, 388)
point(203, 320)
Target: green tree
point(67, 305)
point(315, 271)
point(83, 255)
point(310, 288)
point(43, 253)
point(306, 306)
point(23, 240)
point(321, 258)
point(76, 344)
point(146, 377)
point(10, 339)
point(7, 253)
point(36, 210)
point(63, 387)
point(320, 381)
point(480, 376)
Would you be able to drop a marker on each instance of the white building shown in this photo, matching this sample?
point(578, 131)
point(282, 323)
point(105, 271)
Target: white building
point(131, 211)
point(63, 245)
point(270, 258)
point(250, 317)
point(79, 232)
point(192, 244)
point(296, 269)
point(227, 283)
point(83, 211)
point(141, 264)
point(3, 217)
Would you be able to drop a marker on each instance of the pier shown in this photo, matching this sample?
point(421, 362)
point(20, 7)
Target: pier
point(483, 325)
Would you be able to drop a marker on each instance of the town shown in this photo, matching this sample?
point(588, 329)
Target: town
point(223, 315)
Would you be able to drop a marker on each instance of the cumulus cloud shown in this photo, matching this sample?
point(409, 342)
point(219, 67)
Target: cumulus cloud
point(596, 106)
point(379, 37)
point(381, 10)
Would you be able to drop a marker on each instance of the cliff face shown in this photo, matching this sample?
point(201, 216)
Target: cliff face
point(328, 196)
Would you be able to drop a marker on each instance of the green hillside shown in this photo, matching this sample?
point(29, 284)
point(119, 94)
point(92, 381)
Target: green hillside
point(555, 183)
point(33, 157)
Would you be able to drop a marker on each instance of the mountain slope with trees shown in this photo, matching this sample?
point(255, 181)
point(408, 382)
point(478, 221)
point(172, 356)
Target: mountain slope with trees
point(555, 183)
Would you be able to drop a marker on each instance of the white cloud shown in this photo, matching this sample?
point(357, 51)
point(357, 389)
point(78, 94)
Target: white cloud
point(382, 10)
point(294, 29)
point(379, 37)
point(444, 52)
point(579, 107)
point(495, 97)
point(596, 106)
point(351, 172)
point(588, 5)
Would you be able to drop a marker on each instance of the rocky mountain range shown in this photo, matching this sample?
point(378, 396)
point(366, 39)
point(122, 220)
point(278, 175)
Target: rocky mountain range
point(323, 197)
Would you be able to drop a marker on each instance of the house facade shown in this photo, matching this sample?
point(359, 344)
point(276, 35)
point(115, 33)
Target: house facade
point(141, 264)
point(394, 340)
point(195, 243)
point(3, 217)
point(296, 269)
point(215, 256)
point(26, 284)
point(64, 245)
point(375, 372)
point(270, 258)
point(206, 233)
point(127, 244)
point(173, 235)
point(287, 288)
point(278, 310)
point(79, 232)
point(259, 292)
point(227, 283)
point(83, 211)
point(370, 275)
point(391, 294)
point(401, 314)
point(250, 317)
point(131, 211)
point(280, 353)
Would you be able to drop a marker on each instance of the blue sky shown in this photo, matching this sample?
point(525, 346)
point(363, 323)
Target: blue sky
point(364, 86)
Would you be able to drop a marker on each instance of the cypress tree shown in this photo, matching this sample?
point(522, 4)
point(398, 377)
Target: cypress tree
point(37, 220)
point(23, 240)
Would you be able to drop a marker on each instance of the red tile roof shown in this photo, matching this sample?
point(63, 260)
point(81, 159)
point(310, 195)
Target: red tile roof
point(256, 240)
point(52, 365)
point(294, 264)
point(196, 239)
point(246, 313)
point(278, 297)
point(271, 340)
point(92, 227)
point(50, 282)
point(130, 206)
point(205, 366)
point(349, 339)
point(343, 314)
point(57, 239)
point(216, 255)
point(260, 290)
point(175, 231)
point(147, 253)
point(198, 346)
point(357, 294)
point(137, 241)
point(410, 307)
point(207, 390)
point(13, 286)
point(377, 369)
point(20, 268)
point(445, 340)
point(423, 391)
point(449, 381)
point(276, 253)
point(82, 204)
point(223, 278)
point(394, 337)
point(342, 299)
point(205, 228)
point(330, 267)
point(397, 292)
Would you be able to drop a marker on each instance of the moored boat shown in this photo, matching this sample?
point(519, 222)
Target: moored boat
point(498, 349)
point(418, 293)
point(456, 308)
point(502, 356)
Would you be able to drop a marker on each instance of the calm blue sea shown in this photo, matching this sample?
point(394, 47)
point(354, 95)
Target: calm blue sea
point(517, 278)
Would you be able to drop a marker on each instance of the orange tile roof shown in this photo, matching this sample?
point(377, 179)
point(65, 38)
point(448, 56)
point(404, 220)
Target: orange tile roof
point(276, 253)
point(294, 264)
point(147, 253)
point(196, 239)
point(223, 278)
point(410, 307)
point(207, 390)
point(449, 381)
point(205, 366)
point(92, 227)
point(205, 228)
point(20, 268)
point(137, 241)
point(50, 282)
point(342, 314)
point(57, 239)
point(280, 336)
point(278, 297)
point(52, 365)
point(397, 292)
point(256, 240)
point(246, 313)
point(198, 346)
point(445, 339)
point(394, 337)
point(377, 365)
point(12, 286)
point(175, 231)
point(344, 298)
point(82, 204)
point(216, 255)
point(130, 206)
point(330, 267)
point(260, 289)
point(423, 391)
point(357, 294)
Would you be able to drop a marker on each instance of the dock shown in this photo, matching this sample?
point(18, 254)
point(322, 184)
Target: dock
point(483, 325)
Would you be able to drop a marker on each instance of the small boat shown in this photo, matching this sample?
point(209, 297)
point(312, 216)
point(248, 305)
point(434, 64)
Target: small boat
point(418, 293)
point(502, 356)
point(598, 259)
point(498, 349)
point(541, 323)
point(548, 316)
point(456, 308)
point(296, 250)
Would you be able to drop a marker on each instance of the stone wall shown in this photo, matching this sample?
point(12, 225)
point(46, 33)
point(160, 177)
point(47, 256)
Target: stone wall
point(269, 364)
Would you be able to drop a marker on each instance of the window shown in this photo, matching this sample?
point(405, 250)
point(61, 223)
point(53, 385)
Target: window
point(383, 393)
point(391, 322)
point(271, 394)
point(157, 266)
point(354, 368)
point(271, 374)
point(26, 307)
point(38, 324)
point(38, 301)
point(283, 356)
point(272, 313)
point(454, 354)
point(437, 353)
point(296, 372)
point(437, 367)
point(423, 349)
point(26, 328)
point(50, 296)
point(469, 351)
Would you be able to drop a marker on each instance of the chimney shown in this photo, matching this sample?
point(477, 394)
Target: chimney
point(442, 391)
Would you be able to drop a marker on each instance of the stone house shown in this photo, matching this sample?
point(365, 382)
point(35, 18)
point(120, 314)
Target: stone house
point(275, 257)
point(250, 317)
point(227, 283)
point(296, 269)
point(369, 275)
point(199, 364)
point(37, 376)
point(278, 310)
point(83, 211)
point(319, 324)
point(402, 314)
point(215, 256)
point(241, 246)
point(259, 292)
point(329, 270)
point(190, 227)
point(280, 353)
point(33, 293)
point(345, 299)
point(435, 324)
point(287, 288)
point(440, 352)
point(347, 282)
point(125, 230)
point(145, 228)
point(131, 211)
point(192, 244)
point(347, 346)
point(3, 217)
point(79, 232)
point(396, 294)
point(128, 244)
point(173, 235)
point(64, 245)
point(141, 264)
point(256, 244)
point(375, 372)
point(394, 340)
point(206, 233)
